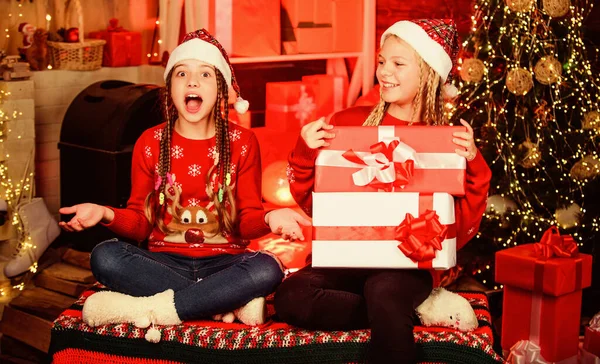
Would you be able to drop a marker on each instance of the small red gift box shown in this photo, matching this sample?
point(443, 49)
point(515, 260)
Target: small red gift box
point(391, 158)
point(330, 92)
point(235, 24)
point(591, 342)
point(122, 48)
point(542, 294)
point(289, 106)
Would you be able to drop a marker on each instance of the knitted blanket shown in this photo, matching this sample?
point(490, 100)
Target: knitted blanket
point(73, 341)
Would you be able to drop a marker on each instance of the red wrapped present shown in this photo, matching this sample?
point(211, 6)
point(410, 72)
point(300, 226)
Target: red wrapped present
point(591, 342)
point(542, 296)
point(290, 105)
point(330, 92)
point(383, 230)
point(295, 12)
point(123, 48)
point(241, 32)
point(391, 158)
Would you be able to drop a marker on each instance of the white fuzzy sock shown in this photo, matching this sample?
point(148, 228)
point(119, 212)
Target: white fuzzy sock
point(227, 317)
point(253, 313)
point(113, 307)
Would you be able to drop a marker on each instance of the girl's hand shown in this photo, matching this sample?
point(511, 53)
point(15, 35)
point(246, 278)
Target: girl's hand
point(465, 139)
point(315, 134)
point(86, 216)
point(286, 222)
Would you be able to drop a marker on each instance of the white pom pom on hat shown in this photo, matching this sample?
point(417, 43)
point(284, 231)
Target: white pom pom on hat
point(202, 46)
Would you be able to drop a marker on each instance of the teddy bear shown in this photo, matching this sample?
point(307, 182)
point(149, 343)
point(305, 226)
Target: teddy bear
point(447, 309)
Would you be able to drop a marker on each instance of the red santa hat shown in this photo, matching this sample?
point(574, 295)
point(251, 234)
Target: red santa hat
point(435, 40)
point(202, 46)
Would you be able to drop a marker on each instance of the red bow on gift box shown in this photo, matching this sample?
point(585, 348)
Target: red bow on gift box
point(113, 25)
point(420, 237)
point(553, 244)
point(381, 171)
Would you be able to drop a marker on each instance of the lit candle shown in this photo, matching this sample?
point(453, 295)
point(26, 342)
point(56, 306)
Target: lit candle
point(48, 18)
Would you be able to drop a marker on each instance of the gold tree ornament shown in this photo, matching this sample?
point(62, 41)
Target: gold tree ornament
point(568, 217)
point(591, 120)
point(556, 8)
point(547, 70)
point(519, 5)
point(519, 81)
point(472, 70)
point(531, 154)
point(586, 168)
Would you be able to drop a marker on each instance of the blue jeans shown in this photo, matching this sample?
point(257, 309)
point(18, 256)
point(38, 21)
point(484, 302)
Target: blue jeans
point(203, 286)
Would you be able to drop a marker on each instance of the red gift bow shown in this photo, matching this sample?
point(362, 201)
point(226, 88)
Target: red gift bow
point(113, 25)
point(403, 171)
point(553, 244)
point(421, 236)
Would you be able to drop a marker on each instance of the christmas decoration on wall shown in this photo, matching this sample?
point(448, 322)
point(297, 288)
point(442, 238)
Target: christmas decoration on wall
point(275, 185)
point(519, 81)
point(547, 70)
point(536, 116)
point(472, 70)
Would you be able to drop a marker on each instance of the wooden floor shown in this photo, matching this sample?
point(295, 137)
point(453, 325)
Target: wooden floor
point(27, 318)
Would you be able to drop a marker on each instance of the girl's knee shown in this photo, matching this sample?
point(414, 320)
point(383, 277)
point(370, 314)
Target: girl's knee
point(104, 258)
point(267, 272)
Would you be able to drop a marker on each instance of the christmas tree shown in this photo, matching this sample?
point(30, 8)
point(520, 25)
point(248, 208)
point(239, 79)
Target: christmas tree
point(527, 87)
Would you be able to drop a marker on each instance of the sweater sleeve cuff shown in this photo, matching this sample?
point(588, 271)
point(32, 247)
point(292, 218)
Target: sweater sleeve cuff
point(303, 155)
point(255, 226)
point(476, 164)
point(112, 223)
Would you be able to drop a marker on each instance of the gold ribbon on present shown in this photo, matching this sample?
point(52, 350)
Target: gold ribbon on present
point(385, 166)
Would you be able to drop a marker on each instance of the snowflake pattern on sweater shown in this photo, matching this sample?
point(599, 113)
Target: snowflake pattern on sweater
point(190, 212)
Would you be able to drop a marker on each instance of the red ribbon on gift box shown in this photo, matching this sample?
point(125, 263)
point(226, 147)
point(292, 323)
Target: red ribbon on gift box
point(420, 237)
point(553, 244)
point(381, 171)
point(113, 25)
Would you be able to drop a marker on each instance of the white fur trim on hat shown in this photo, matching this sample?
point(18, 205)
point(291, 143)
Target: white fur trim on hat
point(430, 50)
point(202, 51)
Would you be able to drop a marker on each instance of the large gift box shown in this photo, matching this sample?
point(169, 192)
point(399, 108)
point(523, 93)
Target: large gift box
point(379, 199)
point(391, 158)
point(241, 32)
point(330, 93)
point(289, 105)
point(122, 48)
point(383, 230)
point(542, 296)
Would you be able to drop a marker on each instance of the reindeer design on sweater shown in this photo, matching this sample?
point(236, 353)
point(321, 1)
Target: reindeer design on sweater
point(191, 224)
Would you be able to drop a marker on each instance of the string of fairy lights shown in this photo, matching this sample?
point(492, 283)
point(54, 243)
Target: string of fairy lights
point(11, 191)
point(533, 109)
